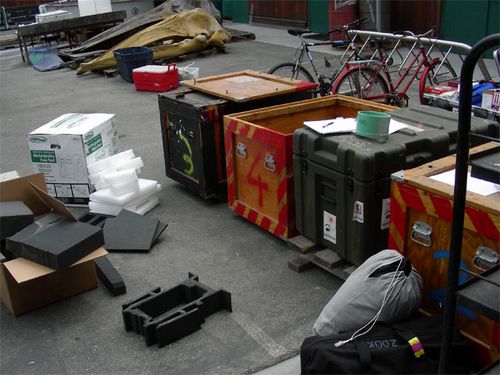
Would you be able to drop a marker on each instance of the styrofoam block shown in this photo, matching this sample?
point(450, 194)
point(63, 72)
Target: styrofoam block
point(141, 205)
point(136, 163)
point(107, 196)
point(142, 198)
point(126, 187)
point(108, 162)
point(145, 206)
point(104, 208)
point(97, 179)
point(120, 177)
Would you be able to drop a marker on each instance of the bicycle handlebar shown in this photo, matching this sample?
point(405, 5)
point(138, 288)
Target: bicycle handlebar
point(347, 26)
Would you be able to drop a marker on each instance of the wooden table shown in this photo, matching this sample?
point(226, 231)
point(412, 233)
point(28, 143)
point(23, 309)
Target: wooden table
point(28, 32)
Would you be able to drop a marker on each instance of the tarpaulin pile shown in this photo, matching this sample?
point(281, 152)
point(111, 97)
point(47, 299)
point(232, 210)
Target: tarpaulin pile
point(185, 32)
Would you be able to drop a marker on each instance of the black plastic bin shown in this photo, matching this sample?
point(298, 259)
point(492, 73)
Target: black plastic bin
point(127, 59)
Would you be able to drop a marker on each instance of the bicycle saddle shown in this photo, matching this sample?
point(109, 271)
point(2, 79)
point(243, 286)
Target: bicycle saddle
point(298, 32)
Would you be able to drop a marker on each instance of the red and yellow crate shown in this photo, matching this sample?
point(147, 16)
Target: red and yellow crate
point(259, 157)
point(420, 226)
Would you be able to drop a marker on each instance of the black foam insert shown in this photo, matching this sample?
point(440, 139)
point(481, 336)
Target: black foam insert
point(55, 241)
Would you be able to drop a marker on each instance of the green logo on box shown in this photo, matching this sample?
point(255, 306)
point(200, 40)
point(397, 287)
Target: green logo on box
point(94, 144)
point(89, 135)
point(43, 156)
point(37, 139)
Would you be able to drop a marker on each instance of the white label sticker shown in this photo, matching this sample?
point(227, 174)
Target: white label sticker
point(386, 213)
point(358, 212)
point(329, 227)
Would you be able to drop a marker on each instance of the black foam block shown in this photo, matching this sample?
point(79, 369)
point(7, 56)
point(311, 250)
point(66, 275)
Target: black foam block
point(14, 216)
point(160, 228)
point(109, 276)
point(129, 232)
point(55, 241)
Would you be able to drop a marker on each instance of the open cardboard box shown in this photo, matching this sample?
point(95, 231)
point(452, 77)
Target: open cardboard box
point(25, 285)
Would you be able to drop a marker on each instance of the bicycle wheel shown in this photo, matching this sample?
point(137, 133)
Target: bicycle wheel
point(438, 73)
point(288, 70)
point(362, 82)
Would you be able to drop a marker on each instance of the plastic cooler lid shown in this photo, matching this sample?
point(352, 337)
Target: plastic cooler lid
point(152, 69)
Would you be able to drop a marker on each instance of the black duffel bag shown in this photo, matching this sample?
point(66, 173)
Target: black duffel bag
point(387, 349)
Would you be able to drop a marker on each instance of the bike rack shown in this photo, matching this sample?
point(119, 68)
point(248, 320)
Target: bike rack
point(460, 48)
point(163, 317)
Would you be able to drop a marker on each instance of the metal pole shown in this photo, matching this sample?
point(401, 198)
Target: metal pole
point(457, 226)
point(378, 15)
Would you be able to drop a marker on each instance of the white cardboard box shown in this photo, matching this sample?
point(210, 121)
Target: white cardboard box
point(62, 149)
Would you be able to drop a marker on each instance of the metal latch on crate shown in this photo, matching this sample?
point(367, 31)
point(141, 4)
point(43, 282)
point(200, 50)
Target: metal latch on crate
point(485, 258)
point(241, 150)
point(421, 233)
point(270, 163)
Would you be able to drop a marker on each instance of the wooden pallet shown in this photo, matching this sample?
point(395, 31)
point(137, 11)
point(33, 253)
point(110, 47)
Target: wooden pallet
point(312, 254)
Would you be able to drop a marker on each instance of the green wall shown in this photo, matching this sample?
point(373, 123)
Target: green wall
point(240, 11)
point(468, 21)
point(318, 16)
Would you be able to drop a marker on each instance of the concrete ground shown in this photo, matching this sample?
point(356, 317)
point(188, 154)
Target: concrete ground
point(274, 308)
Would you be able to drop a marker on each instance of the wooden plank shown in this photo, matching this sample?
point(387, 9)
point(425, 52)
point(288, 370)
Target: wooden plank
point(245, 85)
point(302, 244)
point(328, 258)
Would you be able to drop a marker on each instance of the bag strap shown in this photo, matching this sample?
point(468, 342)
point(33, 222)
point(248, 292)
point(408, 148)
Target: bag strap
point(365, 357)
point(411, 339)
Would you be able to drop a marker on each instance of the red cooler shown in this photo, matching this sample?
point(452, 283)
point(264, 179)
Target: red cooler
point(157, 78)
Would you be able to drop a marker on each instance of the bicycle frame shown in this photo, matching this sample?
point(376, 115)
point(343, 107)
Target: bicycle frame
point(382, 67)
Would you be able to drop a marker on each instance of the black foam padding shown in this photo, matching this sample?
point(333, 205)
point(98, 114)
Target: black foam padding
point(163, 317)
point(129, 232)
point(109, 276)
point(6, 253)
point(94, 219)
point(14, 216)
point(55, 241)
point(160, 228)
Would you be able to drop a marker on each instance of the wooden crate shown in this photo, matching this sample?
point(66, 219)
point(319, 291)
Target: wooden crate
point(259, 158)
point(418, 198)
point(192, 131)
point(247, 85)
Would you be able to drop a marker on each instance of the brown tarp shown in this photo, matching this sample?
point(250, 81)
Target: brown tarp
point(116, 34)
point(182, 33)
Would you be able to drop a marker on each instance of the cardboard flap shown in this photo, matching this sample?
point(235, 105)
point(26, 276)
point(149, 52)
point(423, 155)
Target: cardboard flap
point(23, 270)
point(20, 189)
point(56, 205)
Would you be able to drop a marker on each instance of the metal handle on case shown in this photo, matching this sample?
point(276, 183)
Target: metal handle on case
point(421, 233)
point(241, 150)
point(485, 258)
point(270, 163)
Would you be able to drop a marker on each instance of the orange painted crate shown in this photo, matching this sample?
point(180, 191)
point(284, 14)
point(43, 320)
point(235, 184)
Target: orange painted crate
point(259, 157)
point(418, 198)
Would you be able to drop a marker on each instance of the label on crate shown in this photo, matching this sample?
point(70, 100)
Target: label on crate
point(386, 213)
point(358, 213)
point(329, 227)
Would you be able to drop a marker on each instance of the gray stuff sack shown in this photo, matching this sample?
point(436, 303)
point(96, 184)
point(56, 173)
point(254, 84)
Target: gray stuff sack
point(360, 297)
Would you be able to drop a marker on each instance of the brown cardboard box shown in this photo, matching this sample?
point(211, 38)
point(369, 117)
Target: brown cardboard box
point(25, 285)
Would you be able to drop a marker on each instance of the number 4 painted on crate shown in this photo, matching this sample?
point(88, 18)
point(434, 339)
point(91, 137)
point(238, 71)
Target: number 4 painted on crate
point(257, 181)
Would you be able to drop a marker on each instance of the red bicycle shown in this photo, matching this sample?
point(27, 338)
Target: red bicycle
point(372, 79)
